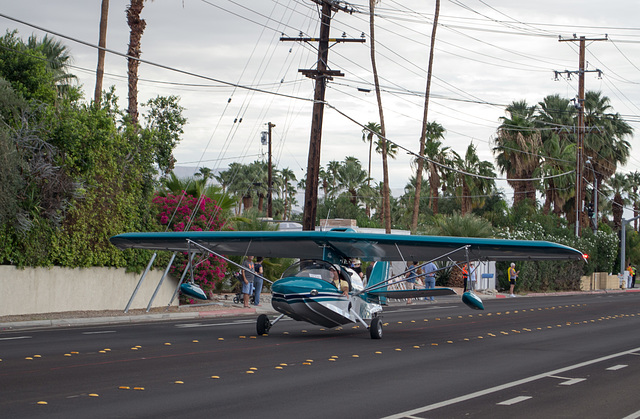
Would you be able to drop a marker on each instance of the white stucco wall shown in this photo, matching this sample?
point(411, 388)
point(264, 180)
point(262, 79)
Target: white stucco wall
point(48, 290)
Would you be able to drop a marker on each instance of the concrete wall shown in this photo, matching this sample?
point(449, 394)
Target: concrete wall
point(599, 281)
point(48, 290)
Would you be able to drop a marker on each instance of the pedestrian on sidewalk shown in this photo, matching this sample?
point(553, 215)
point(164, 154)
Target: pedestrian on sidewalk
point(257, 280)
point(513, 277)
point(247, 280)
point(430, 278)
point(411, 276)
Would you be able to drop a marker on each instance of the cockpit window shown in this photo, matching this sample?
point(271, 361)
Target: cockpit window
point(309, 269)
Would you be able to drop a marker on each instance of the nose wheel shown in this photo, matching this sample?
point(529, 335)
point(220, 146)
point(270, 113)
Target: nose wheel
point(376, 328)
point(263, 325)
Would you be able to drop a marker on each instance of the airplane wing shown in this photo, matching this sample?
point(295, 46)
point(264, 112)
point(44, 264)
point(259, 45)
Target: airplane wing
point(330, 245)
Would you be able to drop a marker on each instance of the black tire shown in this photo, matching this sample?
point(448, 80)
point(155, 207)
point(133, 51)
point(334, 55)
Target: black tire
point(263, 325)
point(236, 300)
point(376, 328)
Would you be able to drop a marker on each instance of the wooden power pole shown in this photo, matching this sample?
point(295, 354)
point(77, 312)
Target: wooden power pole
point(321, 74)
point(580, 184)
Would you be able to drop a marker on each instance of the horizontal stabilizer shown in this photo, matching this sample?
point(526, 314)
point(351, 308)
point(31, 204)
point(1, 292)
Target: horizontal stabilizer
point(400, 294)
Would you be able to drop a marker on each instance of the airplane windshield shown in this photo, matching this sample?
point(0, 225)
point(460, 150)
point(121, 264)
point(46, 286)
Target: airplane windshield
point(309, 269)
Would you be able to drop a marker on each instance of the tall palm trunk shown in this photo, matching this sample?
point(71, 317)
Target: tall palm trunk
point(386, 206)
point(136, 25)
point(416, 199)
point(102, 43)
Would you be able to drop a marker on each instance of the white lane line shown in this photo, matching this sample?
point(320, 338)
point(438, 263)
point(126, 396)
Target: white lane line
point(191, 325)
point(16, 338)
point(572, 381)
point(568, 381)
point(634, 415)
point(513, 401)
point(99, 333)
point(495, 389)
point(617, 367)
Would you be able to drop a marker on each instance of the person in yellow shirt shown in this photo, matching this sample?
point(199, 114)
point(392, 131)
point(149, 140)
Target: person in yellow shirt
point(513, 276)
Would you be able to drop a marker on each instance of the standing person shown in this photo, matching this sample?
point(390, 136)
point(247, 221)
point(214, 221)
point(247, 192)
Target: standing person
point(257, 280)
point(465, 277)
point(247, 279)
point(430, 278)
point(631, 281)
point(357, 268)
point(513, 276)
point(411, 275)
point(368, 272)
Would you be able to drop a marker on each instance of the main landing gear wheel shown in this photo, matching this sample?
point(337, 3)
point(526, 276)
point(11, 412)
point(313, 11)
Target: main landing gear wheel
point(376, 328)
point(263, 324)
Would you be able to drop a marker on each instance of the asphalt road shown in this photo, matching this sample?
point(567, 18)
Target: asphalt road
point(569, 356)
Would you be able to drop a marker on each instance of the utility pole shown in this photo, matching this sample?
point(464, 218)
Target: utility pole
point(321, 74)
point(270, 179)
point(580, 185)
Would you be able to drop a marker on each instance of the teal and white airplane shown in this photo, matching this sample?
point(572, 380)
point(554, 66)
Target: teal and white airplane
point(305, 293)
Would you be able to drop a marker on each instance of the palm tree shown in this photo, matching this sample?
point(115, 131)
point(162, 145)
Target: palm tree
point(517, 146)
point(288, 191)
point(619, 184)
point(604, 140)
point(633, 181)
point(352, 178)
point(102, 43)
point(555, 116)
point(435, 153)
point(367, 136)
point(58, 60)
point(136, 26)
point(386, 204)
point(474, 189)
point(416, 201)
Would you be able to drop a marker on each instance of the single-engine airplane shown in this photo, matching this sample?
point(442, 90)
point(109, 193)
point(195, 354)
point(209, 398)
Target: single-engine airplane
point(305, 293)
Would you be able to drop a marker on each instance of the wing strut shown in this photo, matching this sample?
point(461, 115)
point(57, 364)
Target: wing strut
point(389, 280)
point(146, 271)
point(228, 260)
point(164, 275)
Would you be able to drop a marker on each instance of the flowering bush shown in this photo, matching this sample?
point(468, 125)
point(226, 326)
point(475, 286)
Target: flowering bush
point(189, 213)
point(601, 246)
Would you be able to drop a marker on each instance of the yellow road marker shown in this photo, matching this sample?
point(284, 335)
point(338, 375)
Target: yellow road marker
point(249, 372)
point(253, 369)
point(215, 377)
point(378, 352)
point(279, 367)
point(93, 395)
point(195, 341)
point(124, 388)
point(220, 338)
point(167, 344)
point(139, 388)
point(37, 356)
point(178, 382)
point(30, 358)
point(42, 402)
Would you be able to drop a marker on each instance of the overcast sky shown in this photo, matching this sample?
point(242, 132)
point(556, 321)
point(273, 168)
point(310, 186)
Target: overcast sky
point(488, 54)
